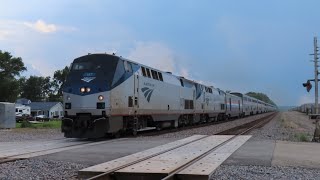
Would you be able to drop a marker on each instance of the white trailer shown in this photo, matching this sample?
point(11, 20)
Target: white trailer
point(22, 110)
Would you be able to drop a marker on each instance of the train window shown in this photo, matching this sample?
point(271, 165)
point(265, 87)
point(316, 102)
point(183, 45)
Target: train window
point(127, 66)
point(186, 104)
point(143, 71)
point(191, 104)
point(160, 76)
point(210, 90)
point(130, 101)
point(230, 103)
point(181, 83)
point(120, 70)
point(81, 65)
point(222, 106)
point(148, 72)
point(154, 74)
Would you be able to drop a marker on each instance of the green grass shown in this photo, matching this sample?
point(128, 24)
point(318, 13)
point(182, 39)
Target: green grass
point(303, 137)
point(53, 124)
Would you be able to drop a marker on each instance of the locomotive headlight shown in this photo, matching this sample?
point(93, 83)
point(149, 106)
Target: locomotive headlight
point(88, 89)
point(82, 89)
point(100, 97)
point(68, 98)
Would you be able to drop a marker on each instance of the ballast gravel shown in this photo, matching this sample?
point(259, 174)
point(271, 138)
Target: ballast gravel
point(225, 172)
point(26, 134)
point(286, 126)
point(39, 169)
point(211, 129)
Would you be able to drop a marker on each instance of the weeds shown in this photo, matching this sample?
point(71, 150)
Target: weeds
point(46, 125)
point(26, 124)
point(303, 137)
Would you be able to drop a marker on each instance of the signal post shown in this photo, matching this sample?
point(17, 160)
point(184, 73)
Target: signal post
point(308, 85)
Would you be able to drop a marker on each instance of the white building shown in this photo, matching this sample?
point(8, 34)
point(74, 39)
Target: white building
point(49, 109)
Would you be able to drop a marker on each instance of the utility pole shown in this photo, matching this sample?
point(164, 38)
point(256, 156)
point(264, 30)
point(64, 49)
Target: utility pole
point(315, 54)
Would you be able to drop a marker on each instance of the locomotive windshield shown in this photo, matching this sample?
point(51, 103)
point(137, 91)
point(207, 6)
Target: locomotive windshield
point(82, 66)
point(100, 66)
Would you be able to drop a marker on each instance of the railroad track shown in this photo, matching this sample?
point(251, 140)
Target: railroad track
point(244, 128)
point(33, 150)
point(195, 126)
point(126, 163)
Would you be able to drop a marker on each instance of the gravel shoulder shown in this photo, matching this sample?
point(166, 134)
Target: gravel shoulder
point(287, 126)
point(264, 173)
point(39, 169)
point(26, 134)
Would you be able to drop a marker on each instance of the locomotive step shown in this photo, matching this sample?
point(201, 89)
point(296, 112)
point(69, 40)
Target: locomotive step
point(146, 129)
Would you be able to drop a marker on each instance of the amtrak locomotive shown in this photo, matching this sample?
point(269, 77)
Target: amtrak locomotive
point(106, 94)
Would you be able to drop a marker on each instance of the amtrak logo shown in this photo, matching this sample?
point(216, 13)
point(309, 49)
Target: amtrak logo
point(147, 93)
point(88, 79)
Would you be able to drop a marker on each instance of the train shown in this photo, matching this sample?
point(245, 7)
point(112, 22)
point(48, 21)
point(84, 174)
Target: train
point(106, 94)
point(307, 108)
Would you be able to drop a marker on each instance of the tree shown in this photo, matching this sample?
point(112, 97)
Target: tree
point(9, 89)
point(10, 69)
point(60, 77)
point(37, 88)
point(261, 97)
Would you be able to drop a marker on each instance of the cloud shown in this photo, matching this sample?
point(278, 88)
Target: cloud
point(184, 72)
point(42, 26)
point(12, 28)
point(4, 34)
point(307, 98)
point(31, 71)
point(155, 55)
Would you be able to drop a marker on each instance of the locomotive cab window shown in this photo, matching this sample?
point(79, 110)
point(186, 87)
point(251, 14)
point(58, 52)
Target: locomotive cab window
point(127, 66)
point(160, 76)
point(81, 66)
point(154, 74)
point(181, 83)
point(148, 73)
point(143, 71)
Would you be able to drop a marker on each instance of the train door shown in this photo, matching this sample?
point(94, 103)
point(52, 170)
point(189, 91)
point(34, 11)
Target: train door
point(230, 104)
point(136, 91)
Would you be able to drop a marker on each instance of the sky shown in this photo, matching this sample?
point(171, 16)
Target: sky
point(247, 45)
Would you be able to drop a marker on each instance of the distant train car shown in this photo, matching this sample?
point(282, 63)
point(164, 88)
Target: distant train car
point(248, 103)
point(233, 106)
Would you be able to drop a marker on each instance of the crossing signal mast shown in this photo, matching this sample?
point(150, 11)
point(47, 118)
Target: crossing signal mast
point(308, 85)
point(316, 136)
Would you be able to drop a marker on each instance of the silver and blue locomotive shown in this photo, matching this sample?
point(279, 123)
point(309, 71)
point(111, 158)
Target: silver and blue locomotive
point(107, 94)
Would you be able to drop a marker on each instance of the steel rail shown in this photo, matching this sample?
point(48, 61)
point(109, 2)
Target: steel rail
point(15, 157)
